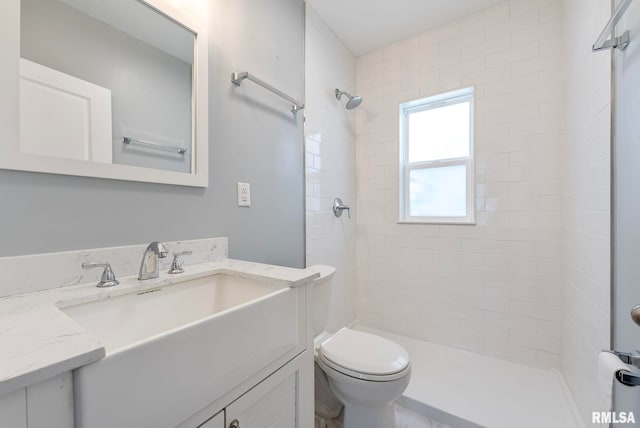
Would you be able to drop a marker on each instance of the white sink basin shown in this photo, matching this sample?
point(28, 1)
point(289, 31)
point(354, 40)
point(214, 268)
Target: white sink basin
point(172, 351)
point(122, 321)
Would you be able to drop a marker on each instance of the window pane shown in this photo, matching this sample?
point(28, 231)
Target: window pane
point(439, 133)
point(438, 192)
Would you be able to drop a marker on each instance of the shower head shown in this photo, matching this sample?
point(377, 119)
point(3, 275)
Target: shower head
point(354, 101)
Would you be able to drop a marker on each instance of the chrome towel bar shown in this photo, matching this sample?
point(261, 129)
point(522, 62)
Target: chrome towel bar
point(620, 42)
point(134, 141)
point(237, 78)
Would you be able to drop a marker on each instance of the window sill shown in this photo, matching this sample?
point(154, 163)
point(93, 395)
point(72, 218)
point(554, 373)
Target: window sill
point(440, 222)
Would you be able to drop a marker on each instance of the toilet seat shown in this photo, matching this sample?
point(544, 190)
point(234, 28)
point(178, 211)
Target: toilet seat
point(364, 356)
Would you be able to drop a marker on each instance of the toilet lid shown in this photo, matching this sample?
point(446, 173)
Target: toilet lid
point(364, 353)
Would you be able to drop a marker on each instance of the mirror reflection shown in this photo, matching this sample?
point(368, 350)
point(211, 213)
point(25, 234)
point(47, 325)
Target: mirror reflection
point(106, 81)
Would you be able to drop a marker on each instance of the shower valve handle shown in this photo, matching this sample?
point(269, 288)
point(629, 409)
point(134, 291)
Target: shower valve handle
point(339, 207)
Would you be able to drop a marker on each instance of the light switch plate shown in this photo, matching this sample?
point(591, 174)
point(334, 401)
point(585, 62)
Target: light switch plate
point(244, 195)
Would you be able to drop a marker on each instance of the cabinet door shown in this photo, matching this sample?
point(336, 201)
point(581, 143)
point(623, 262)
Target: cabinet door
point(215, 422)
point(273, 403)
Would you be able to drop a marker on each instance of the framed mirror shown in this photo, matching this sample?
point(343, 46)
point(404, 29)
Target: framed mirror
point(113, 89)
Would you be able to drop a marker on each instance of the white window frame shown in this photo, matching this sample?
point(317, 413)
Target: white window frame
point(433, 102)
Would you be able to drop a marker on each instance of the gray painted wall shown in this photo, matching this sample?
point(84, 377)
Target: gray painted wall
point(150, 89)
point(253, 138)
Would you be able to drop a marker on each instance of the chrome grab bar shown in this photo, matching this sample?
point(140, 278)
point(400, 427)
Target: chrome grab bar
point(135, 141)
point(620, 42)
point(237, 78)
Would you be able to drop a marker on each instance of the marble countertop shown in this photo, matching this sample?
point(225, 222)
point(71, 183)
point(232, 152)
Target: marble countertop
point(38, 341)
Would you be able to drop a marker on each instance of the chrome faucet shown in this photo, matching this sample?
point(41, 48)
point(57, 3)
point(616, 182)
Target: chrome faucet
point(150, 266)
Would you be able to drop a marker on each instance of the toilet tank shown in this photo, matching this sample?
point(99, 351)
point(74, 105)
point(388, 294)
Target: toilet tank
point(320, 291)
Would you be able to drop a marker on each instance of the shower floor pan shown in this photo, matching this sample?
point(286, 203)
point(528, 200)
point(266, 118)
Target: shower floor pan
point(468, 390)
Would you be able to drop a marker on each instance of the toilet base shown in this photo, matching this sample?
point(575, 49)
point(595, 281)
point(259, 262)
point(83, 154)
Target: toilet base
point(369, 416)
point(367, 404)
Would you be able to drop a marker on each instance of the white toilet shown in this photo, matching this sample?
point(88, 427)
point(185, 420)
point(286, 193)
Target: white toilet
point(366, 372)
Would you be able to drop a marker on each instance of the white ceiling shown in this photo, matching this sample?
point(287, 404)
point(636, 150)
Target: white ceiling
point(366, 25)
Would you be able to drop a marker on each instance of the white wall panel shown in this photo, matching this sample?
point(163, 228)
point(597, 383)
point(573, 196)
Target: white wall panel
point(330, 164)
point(494, 287)
point(587, 196)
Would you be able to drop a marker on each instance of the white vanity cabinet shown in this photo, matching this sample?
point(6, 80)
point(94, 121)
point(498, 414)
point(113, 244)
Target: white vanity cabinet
point(47, 404)
point(274, 402)
point(226, 342)
point(13, 409)
point(279, 401)
point(270, 404)
point(216, 421)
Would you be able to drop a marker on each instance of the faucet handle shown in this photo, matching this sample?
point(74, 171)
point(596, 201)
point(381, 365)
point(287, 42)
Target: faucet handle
point(176, 264)
point(108, 278)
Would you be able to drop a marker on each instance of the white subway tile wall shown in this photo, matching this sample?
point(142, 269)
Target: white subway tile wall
point(495, 287)
point(587, 211)
point(330, 164)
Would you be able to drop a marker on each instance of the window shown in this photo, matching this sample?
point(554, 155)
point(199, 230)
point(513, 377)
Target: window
point(436, 159)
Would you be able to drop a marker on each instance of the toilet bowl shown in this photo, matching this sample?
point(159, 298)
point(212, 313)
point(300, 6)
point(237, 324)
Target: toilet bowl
point(365, 371)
